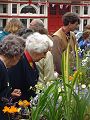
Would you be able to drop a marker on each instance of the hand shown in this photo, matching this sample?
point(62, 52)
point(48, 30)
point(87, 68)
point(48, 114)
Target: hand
point(16, 93)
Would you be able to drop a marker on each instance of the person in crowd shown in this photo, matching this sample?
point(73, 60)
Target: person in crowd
point(10, 52)
point(12, 26)
point(25, 32)
point(83, 40)
point(87, 27)
point(37, 25)
point(24, 75)
point(63, 36)
point(45, 65)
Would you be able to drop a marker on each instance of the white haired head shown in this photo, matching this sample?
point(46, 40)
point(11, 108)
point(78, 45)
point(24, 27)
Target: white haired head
point(38, 43)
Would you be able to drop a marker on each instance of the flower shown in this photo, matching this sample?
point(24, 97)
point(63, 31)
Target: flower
point(70, 78)
point(6, 109)
point(83, 86)
point(24, 103)
point(11, 109)
point(56, 74)
point(18, 112)
point(20, 103)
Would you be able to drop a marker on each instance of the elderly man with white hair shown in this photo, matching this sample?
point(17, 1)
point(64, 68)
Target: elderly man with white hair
point(24, 75)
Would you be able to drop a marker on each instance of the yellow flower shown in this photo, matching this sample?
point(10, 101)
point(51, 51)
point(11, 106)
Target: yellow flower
point(11, 109)
point(20, 103)
point(70, 78)
point(19, 109)
point(6, 109)
point(24, 103)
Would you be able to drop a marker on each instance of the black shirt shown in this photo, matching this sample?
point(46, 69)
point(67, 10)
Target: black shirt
point(23, 76)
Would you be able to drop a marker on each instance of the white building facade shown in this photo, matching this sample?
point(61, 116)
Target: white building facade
point(83, 10)
point(23, 10)
point(46, 10)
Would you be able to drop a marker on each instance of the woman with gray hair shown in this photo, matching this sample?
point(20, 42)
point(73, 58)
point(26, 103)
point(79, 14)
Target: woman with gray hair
point(25, 74)
point(10, 52)
point(38, 45)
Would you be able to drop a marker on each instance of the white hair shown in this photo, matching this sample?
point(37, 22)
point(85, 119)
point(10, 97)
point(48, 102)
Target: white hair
point(38, 43)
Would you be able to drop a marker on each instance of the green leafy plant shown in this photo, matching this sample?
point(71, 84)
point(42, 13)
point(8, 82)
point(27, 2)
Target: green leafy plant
point(64, 99)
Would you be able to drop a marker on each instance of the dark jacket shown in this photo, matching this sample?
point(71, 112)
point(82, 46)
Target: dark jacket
point(4, 82)
point(5, 90)
point(24, 77)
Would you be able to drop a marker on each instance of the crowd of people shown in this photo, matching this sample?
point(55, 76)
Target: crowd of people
point(30, 55)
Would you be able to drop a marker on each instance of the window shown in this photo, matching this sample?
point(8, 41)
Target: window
point(85, 10)
point(3, 8)
point(84, 23)
point(42, 9)
point(31, 20)
point(76, 9)
point(2, 23)
point(28, 9)
point(24, 21)
point(14, 8)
